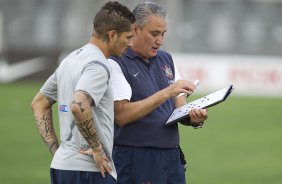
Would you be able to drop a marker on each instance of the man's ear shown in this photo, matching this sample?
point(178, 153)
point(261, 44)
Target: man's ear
point(112, 34)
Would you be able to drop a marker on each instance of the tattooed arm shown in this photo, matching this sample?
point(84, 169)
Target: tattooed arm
point(82, 112)
point(42, 111)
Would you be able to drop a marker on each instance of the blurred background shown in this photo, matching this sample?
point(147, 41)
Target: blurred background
point(240, 38)
point(219, 42)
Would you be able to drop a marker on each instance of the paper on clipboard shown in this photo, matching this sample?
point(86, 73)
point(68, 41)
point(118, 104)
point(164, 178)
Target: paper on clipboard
point(204, 102)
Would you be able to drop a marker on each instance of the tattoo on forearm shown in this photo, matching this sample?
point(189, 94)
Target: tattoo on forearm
point(53, 146)
point(89, 133)
point(84, 119)
point(44, 125)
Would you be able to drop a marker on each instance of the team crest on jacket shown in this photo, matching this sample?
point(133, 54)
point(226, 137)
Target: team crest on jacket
point(168, 71)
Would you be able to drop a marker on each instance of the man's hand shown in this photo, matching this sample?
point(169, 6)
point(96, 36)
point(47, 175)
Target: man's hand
point(180, 86)
point(197, 117)
point(100, 158)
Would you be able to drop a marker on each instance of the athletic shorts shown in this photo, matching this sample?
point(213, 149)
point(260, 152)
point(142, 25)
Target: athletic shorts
point(148, 165)
point(79, 177)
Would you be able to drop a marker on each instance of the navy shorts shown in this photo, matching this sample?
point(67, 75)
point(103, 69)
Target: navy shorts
point(148, 165)
point(79, 177)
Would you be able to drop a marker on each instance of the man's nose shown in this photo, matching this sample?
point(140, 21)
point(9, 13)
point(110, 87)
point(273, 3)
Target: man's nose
point(160, 40)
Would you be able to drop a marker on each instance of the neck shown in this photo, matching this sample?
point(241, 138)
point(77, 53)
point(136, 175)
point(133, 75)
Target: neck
point(139, 53)
point(102, 45)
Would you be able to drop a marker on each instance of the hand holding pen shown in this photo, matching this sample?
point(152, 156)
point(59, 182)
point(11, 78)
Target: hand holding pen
point(196, 83)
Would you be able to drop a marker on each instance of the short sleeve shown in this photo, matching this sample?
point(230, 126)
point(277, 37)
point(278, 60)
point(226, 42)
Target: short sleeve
point(121, 88)
point(94, 80)
point(49, 88)
point(177, 75)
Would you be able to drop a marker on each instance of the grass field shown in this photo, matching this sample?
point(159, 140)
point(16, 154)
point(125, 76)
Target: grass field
point(240, 143)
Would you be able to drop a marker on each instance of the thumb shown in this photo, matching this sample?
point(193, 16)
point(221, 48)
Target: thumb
point(85, 152)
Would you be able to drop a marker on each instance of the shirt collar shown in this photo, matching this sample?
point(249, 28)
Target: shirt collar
point(131, 54)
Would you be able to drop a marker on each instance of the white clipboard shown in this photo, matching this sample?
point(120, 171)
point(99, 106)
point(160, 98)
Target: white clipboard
point(209, 100)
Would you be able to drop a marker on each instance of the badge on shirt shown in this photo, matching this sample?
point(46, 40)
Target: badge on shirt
point(63, 108)
point(168, 71)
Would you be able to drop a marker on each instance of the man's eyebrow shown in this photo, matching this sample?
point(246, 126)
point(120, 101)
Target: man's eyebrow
point(155, 31)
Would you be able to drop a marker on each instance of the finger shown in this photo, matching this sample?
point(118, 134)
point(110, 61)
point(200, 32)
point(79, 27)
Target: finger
point(205, 113)
point(199, 114)
point(195, 116)
point(192, 116)
point(187, 85)
point(83, 151)
point(106, 164)
point(185, 91)
point(106, 159)
point(189, 93)
point(107, 167)
point(102, 171)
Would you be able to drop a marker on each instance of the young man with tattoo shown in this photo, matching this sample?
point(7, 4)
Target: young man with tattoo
point(82, 89)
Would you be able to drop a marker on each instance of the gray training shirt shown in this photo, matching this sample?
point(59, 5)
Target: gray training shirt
point(84, 69)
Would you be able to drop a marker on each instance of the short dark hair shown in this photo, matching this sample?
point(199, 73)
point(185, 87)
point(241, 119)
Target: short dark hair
point(113, 16)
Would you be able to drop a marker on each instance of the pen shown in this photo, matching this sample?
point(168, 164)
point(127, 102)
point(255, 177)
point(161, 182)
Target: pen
point(196, 82)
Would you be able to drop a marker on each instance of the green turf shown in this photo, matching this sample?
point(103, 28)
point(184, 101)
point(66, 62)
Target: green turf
point(240, 143)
